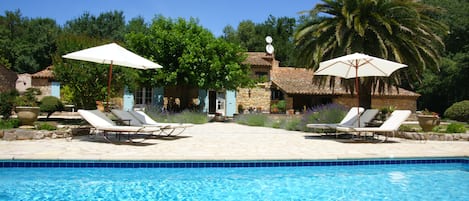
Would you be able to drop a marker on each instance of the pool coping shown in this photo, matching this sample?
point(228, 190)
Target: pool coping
point(223, 163)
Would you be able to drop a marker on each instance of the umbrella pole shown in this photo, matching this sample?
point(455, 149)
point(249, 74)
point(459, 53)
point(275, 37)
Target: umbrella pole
point(109, 87)
point(357, 88)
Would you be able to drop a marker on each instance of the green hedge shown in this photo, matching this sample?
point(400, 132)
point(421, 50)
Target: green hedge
point(458, 111)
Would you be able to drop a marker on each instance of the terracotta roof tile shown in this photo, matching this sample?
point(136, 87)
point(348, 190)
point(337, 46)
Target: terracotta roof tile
point(46, 73)
point(300, 81)
point(258, 59)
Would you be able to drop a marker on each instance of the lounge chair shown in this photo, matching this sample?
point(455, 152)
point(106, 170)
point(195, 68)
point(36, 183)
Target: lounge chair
point(391, 125)
point(349, 120)
point(140, 118)
point(101, 122)
point(365, 117)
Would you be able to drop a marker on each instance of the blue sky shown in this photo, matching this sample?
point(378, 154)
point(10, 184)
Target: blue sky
point(212, 14)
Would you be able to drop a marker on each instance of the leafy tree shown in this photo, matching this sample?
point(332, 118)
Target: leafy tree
point(190, 56)
point(26, 45)
point(137, 25)
point(108, 25)
point(449, 85)
point(251, 36)
point(396, 30)
point(87, 81)
point(282, 31)
point(454, 14)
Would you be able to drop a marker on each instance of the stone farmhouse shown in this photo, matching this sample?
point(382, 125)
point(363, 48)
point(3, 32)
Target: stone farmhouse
point(274, 83)
point(295, 86)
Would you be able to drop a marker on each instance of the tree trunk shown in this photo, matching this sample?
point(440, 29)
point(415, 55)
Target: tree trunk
point(365, 93)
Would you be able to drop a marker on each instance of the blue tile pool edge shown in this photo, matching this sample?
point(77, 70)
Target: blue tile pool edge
point(222, 164)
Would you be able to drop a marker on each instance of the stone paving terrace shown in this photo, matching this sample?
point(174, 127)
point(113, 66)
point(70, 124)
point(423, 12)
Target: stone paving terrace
point(228, 141)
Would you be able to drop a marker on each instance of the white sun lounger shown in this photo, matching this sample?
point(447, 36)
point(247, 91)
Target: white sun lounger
point(140, 118)
point(391, 125)
point(365, 117)
point(350, 118)
point(100, 122)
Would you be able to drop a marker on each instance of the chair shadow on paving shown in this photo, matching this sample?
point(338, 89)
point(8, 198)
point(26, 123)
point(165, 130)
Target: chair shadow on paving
point(349, 138)
point(135, 140)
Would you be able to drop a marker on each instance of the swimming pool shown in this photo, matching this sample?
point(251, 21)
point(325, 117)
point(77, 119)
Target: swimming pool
point(384, 179)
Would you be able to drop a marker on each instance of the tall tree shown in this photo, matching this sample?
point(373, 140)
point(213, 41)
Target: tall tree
point(26, 45)
point(251, 36)
point(190, 55)
point(396, 30)
point(108, 25)
point(449, 85)
point(454, 14)
point(87, 81)
point(282, 31)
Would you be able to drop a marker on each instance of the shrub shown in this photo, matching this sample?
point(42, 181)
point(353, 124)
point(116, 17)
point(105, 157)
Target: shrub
point(278, 123)
point(9, 123)
point(7, 100)
point(50, 104)
point(28, 98)
point(182, 117)
point(456, 128)
point(282, 105)
point(46, 126)
point(458, 111)
point(253, 119)
point(293, 124)
point(329, 113)
point(406, 128)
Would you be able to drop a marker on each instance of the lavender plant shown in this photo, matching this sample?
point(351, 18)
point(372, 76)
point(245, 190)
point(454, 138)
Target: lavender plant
point(328, 113)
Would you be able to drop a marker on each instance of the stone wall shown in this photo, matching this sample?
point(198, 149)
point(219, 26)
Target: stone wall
point(7, 79)
point(42, 84)
point(401, 103)
point(257, 98)
point(30, 134)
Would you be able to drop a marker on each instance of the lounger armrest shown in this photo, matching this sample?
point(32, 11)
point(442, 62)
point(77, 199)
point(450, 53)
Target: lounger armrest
point(321, 126)
point(345, 129)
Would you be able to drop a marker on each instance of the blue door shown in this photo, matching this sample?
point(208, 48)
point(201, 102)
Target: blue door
point(230, 103)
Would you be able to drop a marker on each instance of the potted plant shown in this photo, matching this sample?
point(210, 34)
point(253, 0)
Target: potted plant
point(27, 108)
point(274, 108)
point(384, 112)
point(240, 109)
point(282, 106)
point(428, 120)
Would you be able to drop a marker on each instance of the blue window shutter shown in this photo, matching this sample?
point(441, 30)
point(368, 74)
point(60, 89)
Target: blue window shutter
point(55, 89)
point(128, 99)
point(158, 95)
point(203, 99)
point(230, 102)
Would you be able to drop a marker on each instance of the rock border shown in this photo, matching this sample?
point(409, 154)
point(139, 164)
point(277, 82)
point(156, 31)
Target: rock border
point(31, 134)
point(434, 136)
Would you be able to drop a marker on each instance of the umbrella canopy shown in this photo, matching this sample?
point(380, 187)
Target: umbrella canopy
point(112, 54)
point(358, 65)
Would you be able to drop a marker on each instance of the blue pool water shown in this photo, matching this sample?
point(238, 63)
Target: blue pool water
point(429, 181)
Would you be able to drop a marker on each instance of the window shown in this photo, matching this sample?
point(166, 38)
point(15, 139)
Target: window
point(143, 96)
point(276, 94)
point(262, 76)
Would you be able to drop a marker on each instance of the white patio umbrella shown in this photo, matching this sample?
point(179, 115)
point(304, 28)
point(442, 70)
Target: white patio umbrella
point(112, 54)
point(358, 65)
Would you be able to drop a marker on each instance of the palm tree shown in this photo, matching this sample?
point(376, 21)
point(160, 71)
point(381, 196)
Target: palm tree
point(397, 30)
